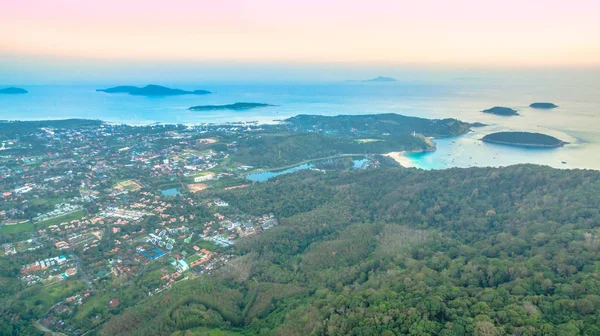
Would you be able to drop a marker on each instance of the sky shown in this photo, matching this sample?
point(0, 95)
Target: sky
point(100, 39)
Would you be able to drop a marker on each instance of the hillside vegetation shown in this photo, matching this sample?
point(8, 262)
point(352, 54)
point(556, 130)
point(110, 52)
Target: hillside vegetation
point(401, 252)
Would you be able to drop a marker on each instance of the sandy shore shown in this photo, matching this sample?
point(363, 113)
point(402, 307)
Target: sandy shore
point(400, 158)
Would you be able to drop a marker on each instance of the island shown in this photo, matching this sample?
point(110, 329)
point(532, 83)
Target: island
point(501, 111)
point(543, 106)
point(119, 89)
point(380, 79)
point(235, 107)
point(152, 90)
point(524, 139)
point(12, 90)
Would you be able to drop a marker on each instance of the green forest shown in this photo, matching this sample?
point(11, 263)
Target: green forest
point(394, 251)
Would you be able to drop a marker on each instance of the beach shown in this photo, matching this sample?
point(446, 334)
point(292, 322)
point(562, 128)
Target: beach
point(401, 159)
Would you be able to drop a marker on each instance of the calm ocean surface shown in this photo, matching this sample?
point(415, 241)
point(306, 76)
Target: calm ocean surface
point(577, 120)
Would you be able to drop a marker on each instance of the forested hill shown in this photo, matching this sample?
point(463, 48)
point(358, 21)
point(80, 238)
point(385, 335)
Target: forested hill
point(378, 124)
point(310, 137)
point(10, 129)
point(401, 252)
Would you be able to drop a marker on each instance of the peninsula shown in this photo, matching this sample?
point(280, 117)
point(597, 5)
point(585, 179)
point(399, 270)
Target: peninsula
point(544, 106)
point(524, 139)
point(501, 111)
point(236, 107)
point(12, 90)
point(151, 90)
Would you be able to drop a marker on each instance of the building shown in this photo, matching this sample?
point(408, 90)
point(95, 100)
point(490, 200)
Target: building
point(113, 303)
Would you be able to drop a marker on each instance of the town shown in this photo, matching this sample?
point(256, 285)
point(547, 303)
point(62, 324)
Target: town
point(95, 217)
point(111, 210)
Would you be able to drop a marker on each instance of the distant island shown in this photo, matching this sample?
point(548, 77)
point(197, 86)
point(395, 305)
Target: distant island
point(151, 90)
point(502, 111)
point(12, 90)
point(236, 106)
point(119, 89)
point(524, 139)
point(544, 106)
point(380, 79)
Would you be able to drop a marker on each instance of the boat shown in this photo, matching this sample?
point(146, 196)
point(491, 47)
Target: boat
point(564, 162)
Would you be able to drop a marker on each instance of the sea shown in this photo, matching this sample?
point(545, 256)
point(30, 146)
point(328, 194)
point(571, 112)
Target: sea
point(576, 120)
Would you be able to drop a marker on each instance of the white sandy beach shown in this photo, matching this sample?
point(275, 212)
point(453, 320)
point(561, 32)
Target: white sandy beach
point(401, 159)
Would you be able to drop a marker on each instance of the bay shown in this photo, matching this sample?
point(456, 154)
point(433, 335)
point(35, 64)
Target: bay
point(576, 120)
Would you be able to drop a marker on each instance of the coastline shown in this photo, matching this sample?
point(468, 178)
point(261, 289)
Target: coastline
point(401, 159)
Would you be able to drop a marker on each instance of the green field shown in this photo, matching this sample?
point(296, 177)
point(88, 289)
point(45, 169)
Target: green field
point(29, 226)
point(192, 258)
point(50, 201)
point(40, 298)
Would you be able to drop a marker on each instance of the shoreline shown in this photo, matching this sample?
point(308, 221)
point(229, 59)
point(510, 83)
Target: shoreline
point(401, 159)
point(157, 123)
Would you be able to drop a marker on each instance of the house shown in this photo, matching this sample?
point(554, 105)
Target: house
point(113, 303)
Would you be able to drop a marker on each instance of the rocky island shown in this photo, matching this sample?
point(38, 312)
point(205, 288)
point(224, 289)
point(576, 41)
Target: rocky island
point(12, 90)
point(151, 90)
point(524, 139)
point(235, 107)
point(501, 111)
point(544, 106)
point(380, 79)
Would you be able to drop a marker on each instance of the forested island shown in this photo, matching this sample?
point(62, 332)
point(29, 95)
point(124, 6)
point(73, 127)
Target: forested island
point(524, 139)
point(501, 111)
point(152, 90)
point(544, 106)
point(13, 90)
point(234, 107)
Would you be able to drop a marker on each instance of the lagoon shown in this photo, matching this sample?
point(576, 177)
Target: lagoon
point(262, 176)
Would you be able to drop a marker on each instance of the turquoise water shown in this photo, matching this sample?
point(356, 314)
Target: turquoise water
point(577, 119)
point(360, 163)
point(170, 192)
point(468, 151)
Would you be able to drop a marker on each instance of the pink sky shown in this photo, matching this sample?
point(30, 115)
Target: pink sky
point(488, 33)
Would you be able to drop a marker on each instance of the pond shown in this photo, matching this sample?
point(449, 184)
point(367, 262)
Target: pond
point(360, 163)
point(170, 192)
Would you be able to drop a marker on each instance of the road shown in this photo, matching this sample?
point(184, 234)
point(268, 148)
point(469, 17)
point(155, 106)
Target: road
point(83, 275)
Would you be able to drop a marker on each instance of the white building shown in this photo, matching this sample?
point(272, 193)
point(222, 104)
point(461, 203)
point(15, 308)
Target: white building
point(205, 177)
